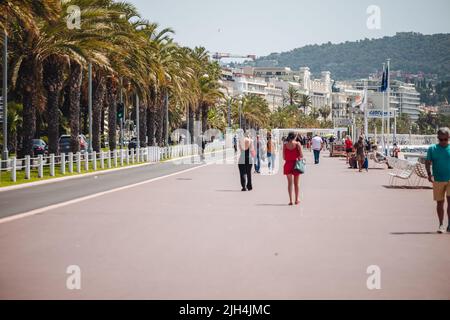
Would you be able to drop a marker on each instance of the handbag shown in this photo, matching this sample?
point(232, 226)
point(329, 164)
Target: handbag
point(300, 166)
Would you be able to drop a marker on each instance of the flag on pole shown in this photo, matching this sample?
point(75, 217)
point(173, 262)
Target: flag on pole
point(358, 100)
point(384, 81)
point(363, 105)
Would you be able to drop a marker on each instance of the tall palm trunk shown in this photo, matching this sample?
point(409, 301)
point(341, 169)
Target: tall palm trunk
point(103, 121)
point(191, 123)
point(159, 118)
point(99, 89)
point(53, 83)
point(204, 112)
point(27, 74)
point(142, 124)
point(198, 113)
point(165, 106)
point(111, 100)
point(151, 117)
point(75, 80)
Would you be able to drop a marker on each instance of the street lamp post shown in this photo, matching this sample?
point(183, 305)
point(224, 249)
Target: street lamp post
point(123, 117)
point(90, 149)
point(138, 142)
point(166, 106)
point(229, 113)
point(240, 113)
point(5, 154)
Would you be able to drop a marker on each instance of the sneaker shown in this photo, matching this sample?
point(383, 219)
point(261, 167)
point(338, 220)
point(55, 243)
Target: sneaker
point(243, 190)
point(442, 229)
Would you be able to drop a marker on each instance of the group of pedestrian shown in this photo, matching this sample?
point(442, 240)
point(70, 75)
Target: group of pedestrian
point(315, 144)
point(437, 164)
point(357, 153)
point(251, 153)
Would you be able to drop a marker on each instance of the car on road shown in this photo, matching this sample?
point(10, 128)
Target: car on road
point(39, 147)
point(64, 144)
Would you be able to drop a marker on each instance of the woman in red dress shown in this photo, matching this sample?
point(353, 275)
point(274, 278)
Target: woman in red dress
point(292, 151)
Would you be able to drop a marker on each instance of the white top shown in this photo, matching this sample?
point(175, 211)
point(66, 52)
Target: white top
point(317, 143)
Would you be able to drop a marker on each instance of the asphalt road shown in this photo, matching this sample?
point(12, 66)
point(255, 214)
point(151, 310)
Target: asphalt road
point(196, 236)
point(23, 200)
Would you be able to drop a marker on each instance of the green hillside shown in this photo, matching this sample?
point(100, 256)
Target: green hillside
point(409, 52)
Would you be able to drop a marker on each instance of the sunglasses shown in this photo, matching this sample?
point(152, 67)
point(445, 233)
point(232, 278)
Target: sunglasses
point(443, 139)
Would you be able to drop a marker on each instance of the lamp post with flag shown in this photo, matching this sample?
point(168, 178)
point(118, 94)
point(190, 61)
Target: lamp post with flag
point(4, 102)
point(364, 109)
point(383, 90)
point(388, 93)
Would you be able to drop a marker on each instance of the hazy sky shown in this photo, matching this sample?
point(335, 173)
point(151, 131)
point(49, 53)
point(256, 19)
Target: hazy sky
point(262, 26)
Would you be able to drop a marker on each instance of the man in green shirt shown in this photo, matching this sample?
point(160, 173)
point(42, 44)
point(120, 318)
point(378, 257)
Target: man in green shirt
point(438, 157)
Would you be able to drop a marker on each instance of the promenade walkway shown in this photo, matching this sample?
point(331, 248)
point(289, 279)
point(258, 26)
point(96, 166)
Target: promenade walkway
point(197, 236)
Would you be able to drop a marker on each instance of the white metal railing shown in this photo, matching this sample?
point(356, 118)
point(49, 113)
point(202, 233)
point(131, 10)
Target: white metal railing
point(407, 139)
point(216, 145)
point(90, 162)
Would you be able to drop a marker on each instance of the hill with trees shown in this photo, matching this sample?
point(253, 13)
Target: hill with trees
point(409, 52)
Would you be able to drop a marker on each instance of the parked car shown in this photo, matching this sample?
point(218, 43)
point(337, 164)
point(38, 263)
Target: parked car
point(64, 144)
point(39, 147)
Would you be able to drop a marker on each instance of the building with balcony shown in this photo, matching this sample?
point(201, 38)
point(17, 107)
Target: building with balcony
point(403, 97)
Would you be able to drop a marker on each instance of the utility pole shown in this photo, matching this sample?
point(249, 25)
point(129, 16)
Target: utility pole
point(90, 149)
point(5, 153)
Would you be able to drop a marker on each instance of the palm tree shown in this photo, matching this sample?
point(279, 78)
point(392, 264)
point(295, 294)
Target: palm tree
point(315, 113)
point(254, 111)
point(305, 102)
point(49, 70)
point(325, 112)
point(53, 76)
point(23, 27)
point(293, 95)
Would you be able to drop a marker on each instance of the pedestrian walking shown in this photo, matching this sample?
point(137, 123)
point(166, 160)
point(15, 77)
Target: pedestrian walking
point(360, 149)
point(292, 152)
point(258, 155)
point(235, 144)
point(271, 154)
point(348, 147)
point(438, 158)
point(247, 153)
point(317, 146)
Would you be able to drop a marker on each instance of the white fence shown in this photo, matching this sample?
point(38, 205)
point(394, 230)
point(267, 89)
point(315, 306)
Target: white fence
point(407, 139)
point(79, 162)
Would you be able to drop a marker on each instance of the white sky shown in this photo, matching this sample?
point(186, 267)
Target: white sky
point(261, 26)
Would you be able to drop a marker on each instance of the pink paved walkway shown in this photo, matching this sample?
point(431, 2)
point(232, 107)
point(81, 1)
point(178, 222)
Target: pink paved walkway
point(196, 236)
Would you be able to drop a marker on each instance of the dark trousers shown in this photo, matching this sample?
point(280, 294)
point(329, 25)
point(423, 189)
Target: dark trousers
point(245, 171)
point(258, 164)
point(316, 156)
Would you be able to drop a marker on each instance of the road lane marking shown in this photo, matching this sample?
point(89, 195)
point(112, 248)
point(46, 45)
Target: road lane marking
point(92, 196)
